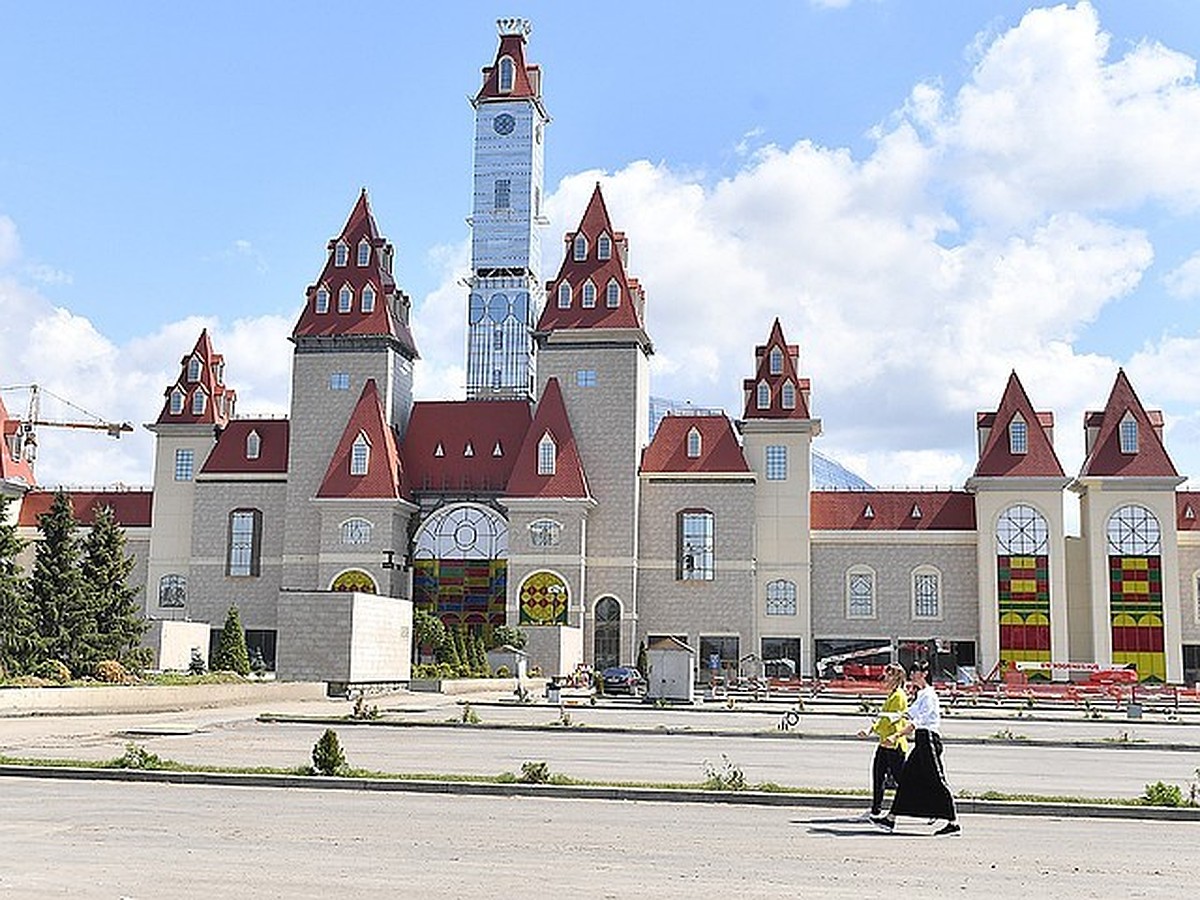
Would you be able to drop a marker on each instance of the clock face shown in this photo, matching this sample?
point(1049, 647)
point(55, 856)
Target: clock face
point(504, 123)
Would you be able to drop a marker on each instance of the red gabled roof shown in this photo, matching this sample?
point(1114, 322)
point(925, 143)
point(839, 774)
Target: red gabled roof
point(228, 455)
point(719, 448)
point(383, 478)
point(1106, 459)
point(997, 459)
point(568, 479)
point(1187, 510)
point(13, 467)
point(130, 508)
point(527, 80)
point(389, 315)
point(631, 302)
point(892, 511)
point(467, 445)
point(219, 399)
point(788, 375)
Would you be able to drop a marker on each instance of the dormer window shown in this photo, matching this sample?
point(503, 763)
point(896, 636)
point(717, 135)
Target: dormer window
point(368, 299)
point(253, 445)
point(564, 296)
point(547, 455)
point(218, 368)
point(508, 74)
point(693, 444)
point(915, 513)
point(341, 254)
point(579, 251)
point(364, 252)
point(177, 400)
point(1129, 434)
point(868, 512)
point(1018, 435)
point(469, 450)
point(199, 402)
point(322, 300)
point(360, 455)
point(439, 451)
point(764, 395)
point(497, 450)
point(345, 299)
point(589, 295)
point(776, 361)
point(612, 295)
point(195, 367)
point(788, 395)
point(604, 247)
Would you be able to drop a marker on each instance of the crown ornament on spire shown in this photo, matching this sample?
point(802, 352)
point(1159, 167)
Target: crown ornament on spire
point(514, 26)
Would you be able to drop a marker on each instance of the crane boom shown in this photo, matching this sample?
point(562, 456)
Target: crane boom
point(33, 420)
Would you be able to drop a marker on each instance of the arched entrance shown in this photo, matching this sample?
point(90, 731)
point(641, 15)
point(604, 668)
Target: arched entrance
point(460, 566)
point(606, 644)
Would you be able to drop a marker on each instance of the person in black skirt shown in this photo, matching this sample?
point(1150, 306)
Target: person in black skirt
point(923, 791)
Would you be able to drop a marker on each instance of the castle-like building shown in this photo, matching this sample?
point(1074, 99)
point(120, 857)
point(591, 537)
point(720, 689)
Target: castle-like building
point(543, 500)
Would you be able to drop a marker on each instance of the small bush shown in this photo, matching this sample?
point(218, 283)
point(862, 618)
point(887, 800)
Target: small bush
point(469, 716)
point(1161, 794)
point(110, 671)
point(503, 672)
point(138, 757)
point(327, 755)
point(363, 712)
point(534, 773)
point(138, 660)
point(53, 670)
point(727, 778)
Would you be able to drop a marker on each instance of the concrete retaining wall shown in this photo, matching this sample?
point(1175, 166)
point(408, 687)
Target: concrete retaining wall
point(149, 698)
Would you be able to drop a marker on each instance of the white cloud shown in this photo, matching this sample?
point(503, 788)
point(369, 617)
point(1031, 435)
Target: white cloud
point(10, 244)
point(1183, 282)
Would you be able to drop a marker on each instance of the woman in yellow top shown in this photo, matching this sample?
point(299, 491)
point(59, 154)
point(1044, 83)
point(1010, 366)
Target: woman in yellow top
point(889, 727)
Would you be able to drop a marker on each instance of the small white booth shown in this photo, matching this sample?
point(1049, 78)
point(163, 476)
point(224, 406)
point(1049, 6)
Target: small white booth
point(671, 667)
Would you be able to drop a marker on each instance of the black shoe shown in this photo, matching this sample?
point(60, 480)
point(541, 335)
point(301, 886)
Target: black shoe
point(887, 823)
point(877, 816)
point(949, 828)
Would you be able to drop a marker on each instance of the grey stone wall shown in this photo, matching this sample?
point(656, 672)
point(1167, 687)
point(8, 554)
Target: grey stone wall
point(1189, 565)
point(343, 638)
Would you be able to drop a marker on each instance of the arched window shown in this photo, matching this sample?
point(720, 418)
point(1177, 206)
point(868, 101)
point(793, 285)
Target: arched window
point(788, 395)
point(763, 399)
point(253, 445)
point(589, 294)
point(177, 400)
point(360, 455)
point(356, 531)
point(860, 592)
point(547, 455)
point(1129, 434)
point(508, 74)
point(368, 299)
point(545, 533)
point(341, 254)
point(1018, 435)
point(354, 580)
point(776, 361)
point(1022, 531)
point(603, 247)
point(1134, 530)
point(243, 555)
point(322, 299)
point(781, 598)
point(564, 296)
point(580, 248)
point(607, 643)
point(694, 556)
point(693, 443)
point(612, 295)
point(199, 402)
point(172, 592)
point(345, 299)
point(195, 367)
point(364, 252)
point(926, 593)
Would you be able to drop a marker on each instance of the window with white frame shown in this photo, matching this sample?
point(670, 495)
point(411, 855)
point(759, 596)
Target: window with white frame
point(1018, 435)
point(927, 593)
point(253, 445)
point(580, 248)
point(185, 464)
point(545, 533)
point(547, 455)
point(860, 593)
point(199, 402)
point(339, 381)
point(172, 592)
point(368, 299)
point(508, 73)
point(612, 294)
point(603, 247)
point(787, 396)
point(694, 560)
point(781, 598)
point(364, 252)
point(589, 294)
point(322, 300)
point(776, 361)
point(777, 462)
point(245, 539)
point(345, 299)
point(195, 367)
point(763, 400)
point(564, 295)
point(177, 400)
point(502, 193)
point(341, 254)
point(1129, 434)
point(693, 443)
point(1134, 530)
point(356, 531)
point(360, 455)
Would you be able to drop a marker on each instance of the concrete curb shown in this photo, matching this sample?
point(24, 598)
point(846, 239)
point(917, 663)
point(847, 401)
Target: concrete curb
point(270, 718)
point(585, 792)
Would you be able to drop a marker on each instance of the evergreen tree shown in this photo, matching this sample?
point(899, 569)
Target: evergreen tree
point(18, 637)
point(231, 652)
point(62, 606)
point(119, 621)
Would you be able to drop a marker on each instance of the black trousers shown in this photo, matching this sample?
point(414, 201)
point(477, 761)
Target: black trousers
point(888, 761)
point(923, 790)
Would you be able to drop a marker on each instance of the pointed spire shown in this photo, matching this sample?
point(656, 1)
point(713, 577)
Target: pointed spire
point(592, 288)
point(568, 479)
point(366, 463)
point(509, 77)
point(1143, 454)
point(776, 391)
point(199, 395)
point(1001, 454)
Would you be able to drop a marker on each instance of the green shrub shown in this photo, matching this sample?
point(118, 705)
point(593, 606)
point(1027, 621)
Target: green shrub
point(53, 670)
point(138, 660)
point(138, 757)
point(231, 655)
point(110, 671)
point(534, 773)
point(327, 755)
point(1161, 794)
point(727, 778)
point(469, 716)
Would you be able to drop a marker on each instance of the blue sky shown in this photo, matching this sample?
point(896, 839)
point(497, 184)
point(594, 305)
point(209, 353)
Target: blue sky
point(928, 195)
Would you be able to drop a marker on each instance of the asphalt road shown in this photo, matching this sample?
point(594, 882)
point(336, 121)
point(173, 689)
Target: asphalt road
point(141, 841)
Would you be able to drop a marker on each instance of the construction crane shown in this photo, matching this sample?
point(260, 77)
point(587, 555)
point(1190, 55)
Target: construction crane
point(27, 428)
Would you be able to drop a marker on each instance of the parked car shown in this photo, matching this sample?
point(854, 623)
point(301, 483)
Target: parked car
point(623, 680)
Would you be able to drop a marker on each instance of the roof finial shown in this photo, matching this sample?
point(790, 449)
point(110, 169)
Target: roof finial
point(518, 26)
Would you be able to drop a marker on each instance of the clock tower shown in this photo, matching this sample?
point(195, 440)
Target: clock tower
point(506, 290)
